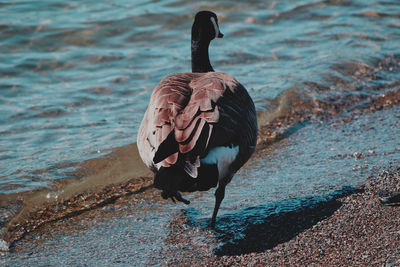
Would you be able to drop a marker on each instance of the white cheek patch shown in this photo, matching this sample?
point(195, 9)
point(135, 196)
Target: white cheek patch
point(215, 27)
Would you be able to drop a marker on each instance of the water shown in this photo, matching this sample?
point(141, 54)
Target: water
point(134, 234)
point(76, 79)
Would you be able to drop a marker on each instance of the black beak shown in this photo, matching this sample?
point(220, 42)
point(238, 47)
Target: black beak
point(220, 35)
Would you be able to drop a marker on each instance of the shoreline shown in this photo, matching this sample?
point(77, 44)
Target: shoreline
point(71, 199)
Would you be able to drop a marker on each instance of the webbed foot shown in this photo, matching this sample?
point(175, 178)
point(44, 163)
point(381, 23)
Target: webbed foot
point(174, 196)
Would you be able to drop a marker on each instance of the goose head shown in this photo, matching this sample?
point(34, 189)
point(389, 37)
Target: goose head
point(205, 28)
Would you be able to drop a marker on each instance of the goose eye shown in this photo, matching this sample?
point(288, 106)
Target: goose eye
point(215, 27)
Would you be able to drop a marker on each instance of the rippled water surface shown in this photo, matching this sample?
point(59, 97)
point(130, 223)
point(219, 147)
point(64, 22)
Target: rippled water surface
point(76, 76)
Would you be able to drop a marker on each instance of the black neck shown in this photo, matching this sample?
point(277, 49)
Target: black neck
point(200, 58)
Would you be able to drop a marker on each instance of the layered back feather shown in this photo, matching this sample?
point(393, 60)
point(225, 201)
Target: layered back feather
point(182, 108)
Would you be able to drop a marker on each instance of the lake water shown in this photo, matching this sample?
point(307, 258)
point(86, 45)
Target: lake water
point(76, 77)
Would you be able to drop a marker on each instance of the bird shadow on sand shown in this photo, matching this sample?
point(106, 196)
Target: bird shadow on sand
point(262, 227)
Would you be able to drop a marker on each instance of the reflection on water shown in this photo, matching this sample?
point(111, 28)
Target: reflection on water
point(76, 76)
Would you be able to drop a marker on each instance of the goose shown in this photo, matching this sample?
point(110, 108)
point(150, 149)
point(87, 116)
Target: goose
point(200, 127)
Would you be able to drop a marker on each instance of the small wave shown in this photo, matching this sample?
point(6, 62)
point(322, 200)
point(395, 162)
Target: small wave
point(48, 113)
point(97, 181)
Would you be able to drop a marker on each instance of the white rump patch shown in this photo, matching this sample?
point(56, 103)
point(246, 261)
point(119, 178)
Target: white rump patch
point(222, 156)
point(215, 27)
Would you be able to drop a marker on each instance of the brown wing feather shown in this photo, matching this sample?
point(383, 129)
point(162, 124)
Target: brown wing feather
point(182, 103)
point(195, 133)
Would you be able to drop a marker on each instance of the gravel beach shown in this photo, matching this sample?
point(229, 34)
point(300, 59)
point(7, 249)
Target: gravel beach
point(360, 232)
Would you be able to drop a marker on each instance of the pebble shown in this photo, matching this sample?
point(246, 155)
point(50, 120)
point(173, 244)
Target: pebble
point(4, 246)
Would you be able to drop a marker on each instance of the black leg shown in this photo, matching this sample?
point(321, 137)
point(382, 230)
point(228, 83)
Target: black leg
point(219, 196)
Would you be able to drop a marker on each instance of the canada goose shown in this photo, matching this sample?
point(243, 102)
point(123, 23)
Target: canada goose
point(199, 127)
